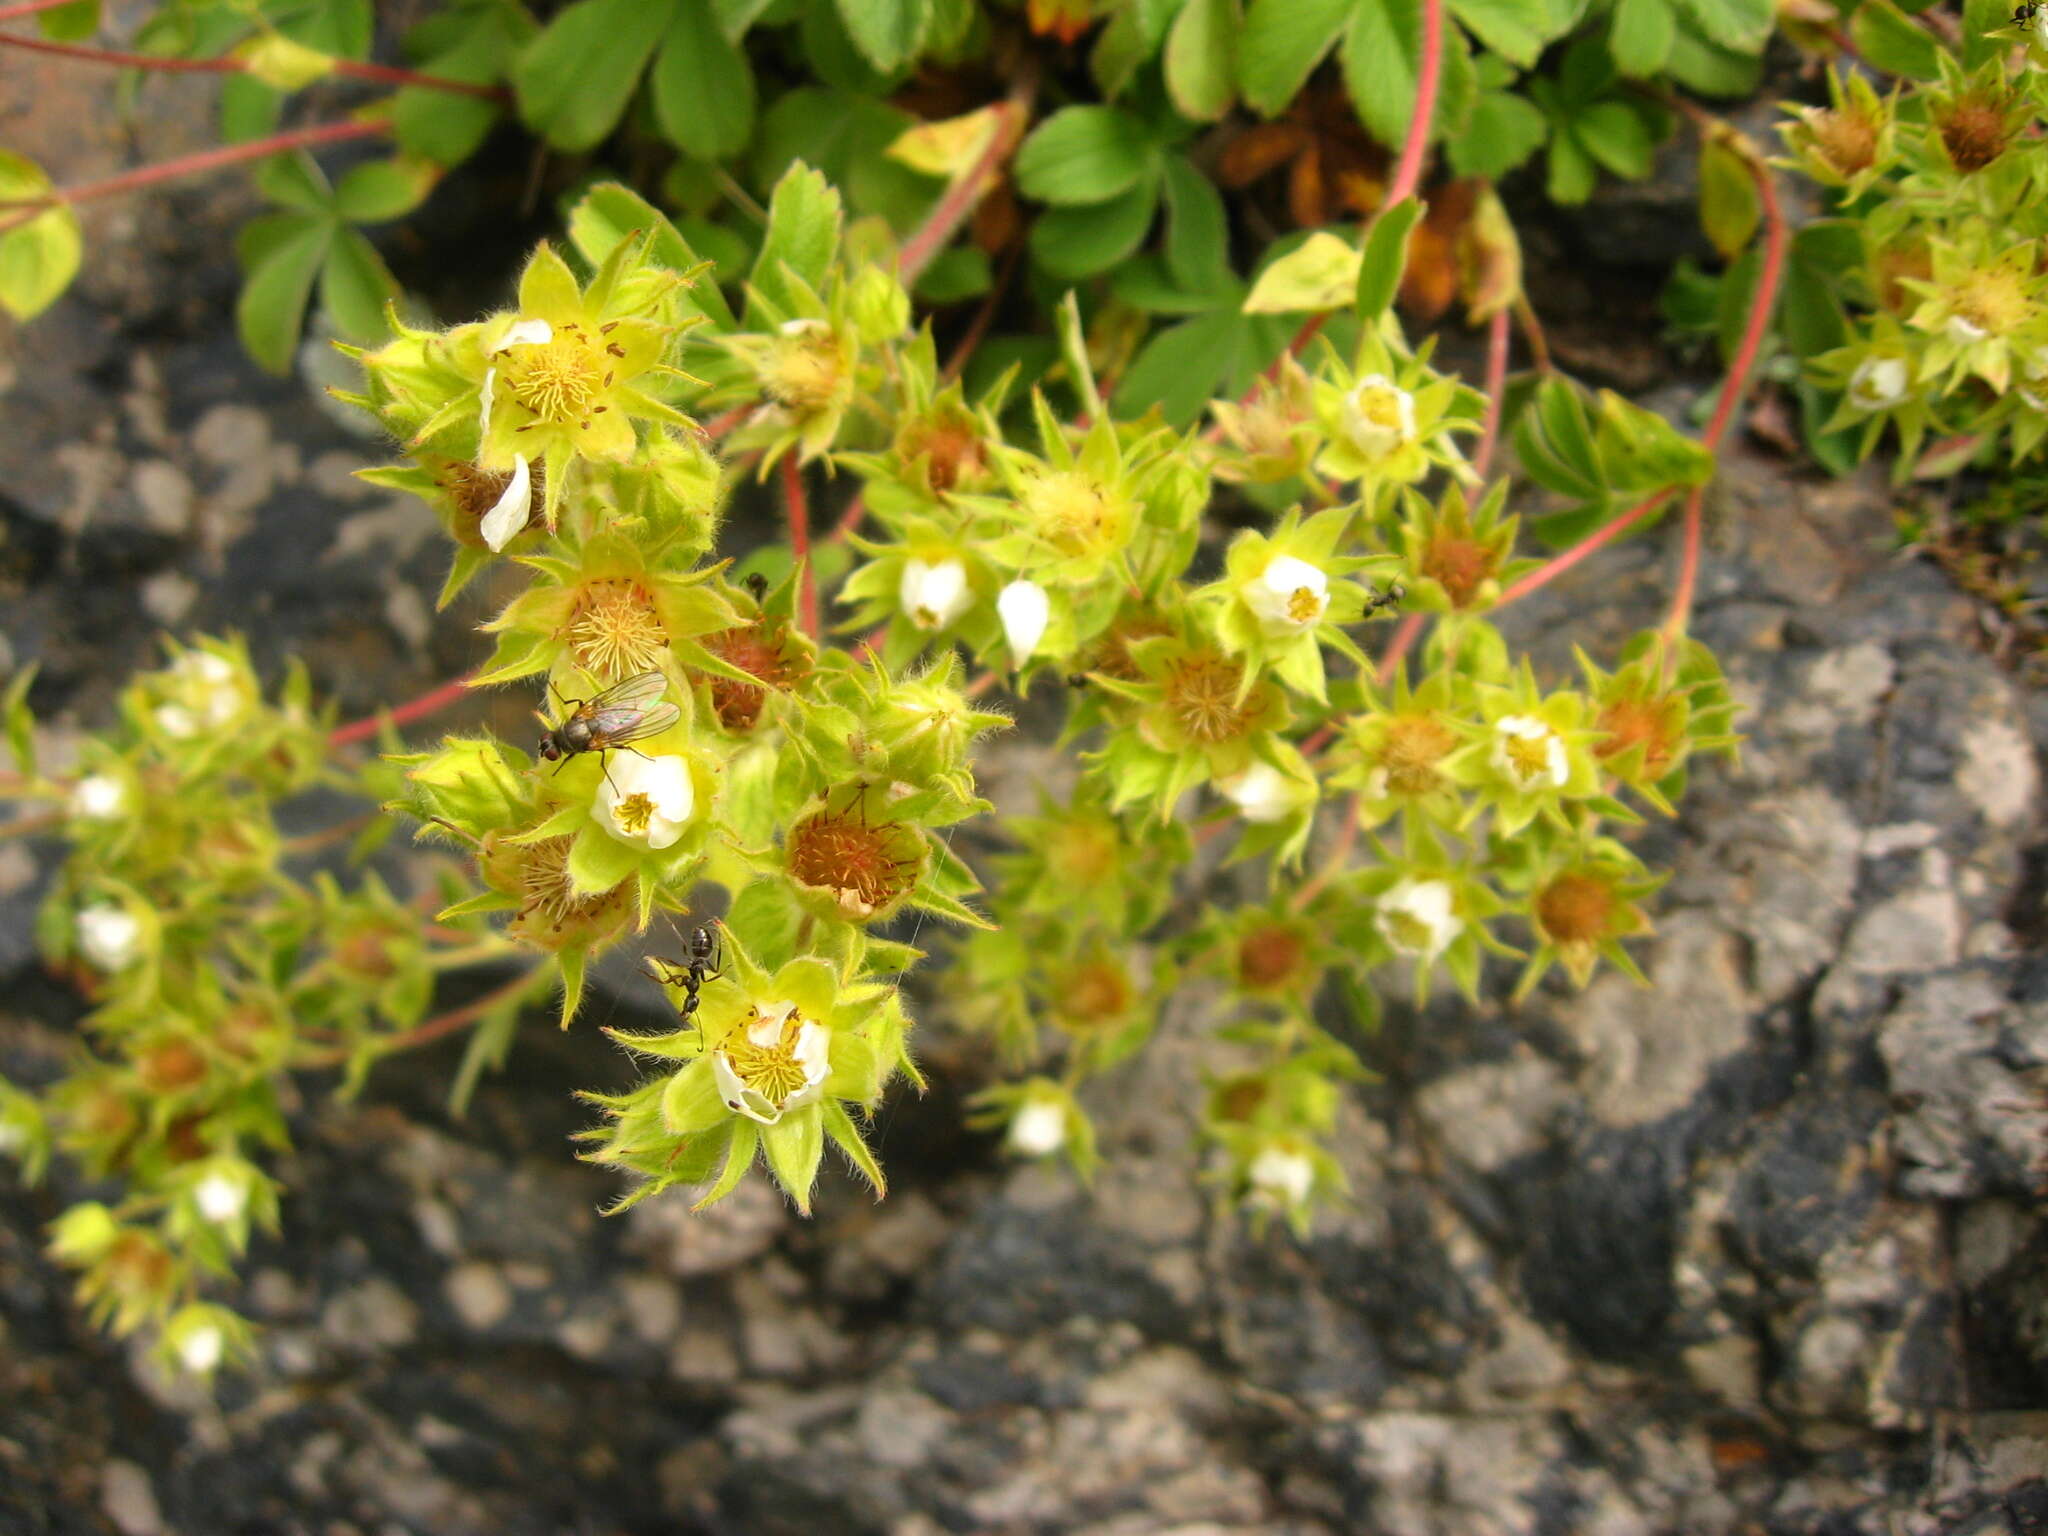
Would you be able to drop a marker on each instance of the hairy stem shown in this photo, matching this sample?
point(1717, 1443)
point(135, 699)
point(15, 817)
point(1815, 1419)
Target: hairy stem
point(412, 709)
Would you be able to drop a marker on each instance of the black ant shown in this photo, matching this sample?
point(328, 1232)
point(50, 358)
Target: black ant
point(1391, 598)
point(2023, 15)
point(704, 953)
point(758, 585)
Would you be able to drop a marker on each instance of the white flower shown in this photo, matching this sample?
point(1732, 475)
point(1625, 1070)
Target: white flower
point(1040, 1127)
point(1529, 754)
point(199, 1351)
point(1964, 331)
point(1288, 596)
point(508, 516)
point(176, 720)
point(645, 800)
point(220, 1198)
point(211, 690)
point(1416, 917)
point(1282, 1176)
point(110, 937)
point(934, 595)
point(1024, 609)
point(1878, 384)
point(99, 797)
point(1263, 794)
point(768, 1035)
point(1379, 416)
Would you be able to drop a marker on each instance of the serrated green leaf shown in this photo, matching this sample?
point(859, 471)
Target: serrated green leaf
point(447, 128)
point(275, 291)
point(1197, 230)
point(1641, 37)
point(1613, 133)
point(609, 212)
point(1181, 368)
point(1282, 41)
point(804, 217)
point(887, 32)
point(575, 79)
point(1517, 30)
point(294, 180)
point(1702, 65)
point(378, 191)
point(39, 258)
point(1199, 76)
point(1084, 155)
point(1071, 243)
point(1741, 26)
point(703, 86)
point(1386, 257)
point(1382, 59)
point(355, 285)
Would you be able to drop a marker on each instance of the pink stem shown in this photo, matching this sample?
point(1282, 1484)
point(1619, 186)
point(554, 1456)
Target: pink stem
point(411, 710)
point(29, 8)
point(800, 542)
point(1497, 336)
point(1408, 174)
point(944, 220)
point(1403, 642)
point(193, 165)
point(1602, 536)
point(1762, 303)
point(385, 74)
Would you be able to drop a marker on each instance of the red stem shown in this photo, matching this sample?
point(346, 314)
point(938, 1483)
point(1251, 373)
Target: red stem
point(944, 220)
point(1497, 337)
point(1403, 641)
point(1761, 306)
point(1606, 534)
point(800, 542)
point(193, 165)
point(413, 709)
point(29, 8)
point(1408, 174)
point(386, 74)
point(850, 519)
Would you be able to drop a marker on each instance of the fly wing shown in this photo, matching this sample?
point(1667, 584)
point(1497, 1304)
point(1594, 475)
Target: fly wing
point(616, 727)
point(635, 692)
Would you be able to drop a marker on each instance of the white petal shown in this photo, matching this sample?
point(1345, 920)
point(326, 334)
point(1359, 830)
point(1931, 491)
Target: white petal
point(526, 333)
point(934, 595)
point(110, 937)
point(490, 387)
point(737, 1095)
point(1024, 609)
point(664, 782)
point(1425, 904)
point(1262, 794)
point(512, 509)
point(1289, 595)
point(1040, 1127)
point(200, 1350)
point(99, 797)
point(220, 1199)
point(177, 721)
point(813, 1051)
point(1283, 1174)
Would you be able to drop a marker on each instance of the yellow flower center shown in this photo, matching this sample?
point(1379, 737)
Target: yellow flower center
point(1381, 405)
point(1414, 745)
point(1993, 299)
point(562, 379)
point(1407, 931)
point(633, 813)
point(1528, 756)
point(771, 1070)
point(1304, 606)
point(1202, 693)
point(616, 631)
point(1076, 515)
point(804, 372)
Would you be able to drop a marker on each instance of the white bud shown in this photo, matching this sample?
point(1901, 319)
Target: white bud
point(1283, 1175)
point(934, 596)
point(220, 1199)
point(176, 721)
point(99, 797)
point(1024, 609)
point(1415, 917)
point(110, 937)
point(200, 1350)
point(1263, 794)
point(1040, 1127)
point(1878, 383)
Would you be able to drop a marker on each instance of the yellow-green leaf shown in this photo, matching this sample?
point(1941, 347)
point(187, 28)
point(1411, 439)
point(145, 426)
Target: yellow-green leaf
point(38, 258)
point(1321, 273)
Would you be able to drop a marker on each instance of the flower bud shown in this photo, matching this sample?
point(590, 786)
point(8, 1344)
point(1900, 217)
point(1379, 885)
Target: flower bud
point(880, 307)
point(1024, 609)
point(934, 595)
point(1281, 1176)
point(99, 797)
point(1039, 1127)
point(1879, 383)
point(109, 937)
point(1264, 795)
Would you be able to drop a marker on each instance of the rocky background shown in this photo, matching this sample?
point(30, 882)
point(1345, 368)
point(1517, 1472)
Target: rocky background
point(1761, 1250)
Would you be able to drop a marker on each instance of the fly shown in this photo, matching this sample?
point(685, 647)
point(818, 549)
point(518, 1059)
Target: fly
point(700, 966)
point(626, 712)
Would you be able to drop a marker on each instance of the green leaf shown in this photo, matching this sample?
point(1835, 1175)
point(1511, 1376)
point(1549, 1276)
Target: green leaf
point(608, 213)
point(447, 128)
point(960, 273)
point(1613, 133)
point(1640, 39)
point(1282, 41)
point(1741, 26)
point(1515, 29)
point(703, 86)
point(847, 137)
point(1386, 257)
point(355, 285)
point(278, 285)
point(1706, 67)
point(1144, 283)
point(339, 27)
point(249, 109)
point(1573, 175)
point(1382, 56)
point(1198, 53)
point(1885, 36)
point(1179, 368)
point(378, 191)
point(1197, 230)
point(1321, 273)
point(72, 23)
point(1084, 155)
point(1503, 131)
point(38, 259)
point(294, 180)
point(832, 54)
point(1071, 243)
point(888, 32)
point(20, 725)
point(575, 78)
point(1729, 209)
point(804, 217)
